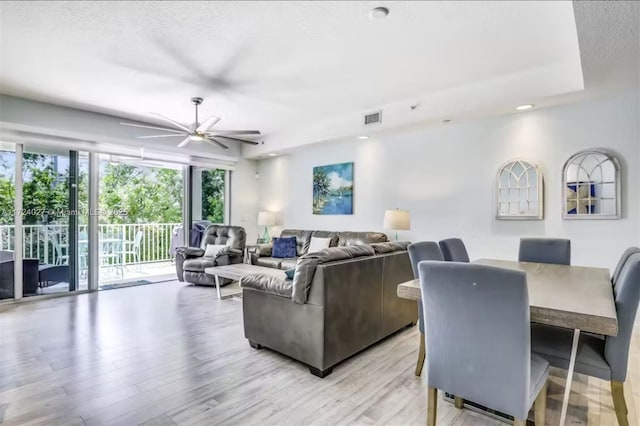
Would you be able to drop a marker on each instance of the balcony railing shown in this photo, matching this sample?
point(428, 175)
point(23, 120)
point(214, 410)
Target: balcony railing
point(118, 244)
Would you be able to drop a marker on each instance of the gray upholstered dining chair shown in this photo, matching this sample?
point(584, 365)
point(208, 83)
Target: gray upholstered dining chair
point(545, 250)
point(424, 250)
point(453, 250)
point(623, 259)
point(607, 358)
point(478, 331)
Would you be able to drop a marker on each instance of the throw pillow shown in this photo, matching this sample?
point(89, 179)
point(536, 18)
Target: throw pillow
point(284, 247)
point(289, 273)
point(213, 250)
point(318, 244)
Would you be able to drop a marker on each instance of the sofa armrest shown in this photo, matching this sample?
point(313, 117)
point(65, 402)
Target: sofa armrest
point(260, 250)
point(189, 252)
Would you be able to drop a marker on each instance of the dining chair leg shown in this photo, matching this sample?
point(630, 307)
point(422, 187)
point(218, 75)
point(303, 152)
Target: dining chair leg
point(421, 355)
point(432, 405)
point(519, 422)
point(619, 404)
point(540, 406)
point(458, 402)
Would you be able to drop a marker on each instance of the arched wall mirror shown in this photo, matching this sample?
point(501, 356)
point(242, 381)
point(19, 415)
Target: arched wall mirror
point(520, 191)
point(591, 186)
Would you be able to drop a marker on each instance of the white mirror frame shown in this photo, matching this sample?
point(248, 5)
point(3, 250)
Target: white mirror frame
point(618, 202)
point(539, 193)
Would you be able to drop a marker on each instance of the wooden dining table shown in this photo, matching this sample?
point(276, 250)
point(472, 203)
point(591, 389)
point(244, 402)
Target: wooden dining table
point(574, 297)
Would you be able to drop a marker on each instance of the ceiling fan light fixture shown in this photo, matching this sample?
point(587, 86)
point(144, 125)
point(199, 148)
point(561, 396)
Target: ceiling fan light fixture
point(196, 138)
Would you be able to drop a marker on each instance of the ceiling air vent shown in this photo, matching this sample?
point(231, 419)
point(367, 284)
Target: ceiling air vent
point(373, 118)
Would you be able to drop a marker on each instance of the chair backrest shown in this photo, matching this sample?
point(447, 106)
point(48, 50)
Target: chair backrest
point(232, 236)
point(423, 250)
point(137, 239)
point(477, 323)
point(627, 295)
point(6, 255)
point(545, 250)
point(623, 259)
point(453, 250)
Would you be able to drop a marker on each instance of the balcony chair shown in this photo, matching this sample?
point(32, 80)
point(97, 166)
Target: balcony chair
point(424, 250)
point(470, 311)
point(29, 277)
point(131, 248)
point(607, 358)
point(545, 250)
point(453, 250)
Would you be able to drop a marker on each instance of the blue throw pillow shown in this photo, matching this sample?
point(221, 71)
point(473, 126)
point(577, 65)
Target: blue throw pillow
point(289, 273)
point(284, 247)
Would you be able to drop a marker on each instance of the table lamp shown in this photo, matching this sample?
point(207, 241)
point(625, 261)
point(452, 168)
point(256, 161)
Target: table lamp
point(266, 219)
point(397, 220)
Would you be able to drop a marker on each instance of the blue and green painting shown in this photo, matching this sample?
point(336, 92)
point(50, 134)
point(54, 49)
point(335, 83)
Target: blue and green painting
point(333, 189)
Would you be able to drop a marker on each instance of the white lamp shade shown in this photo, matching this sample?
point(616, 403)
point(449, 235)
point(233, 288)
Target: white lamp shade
point(266, 219)
point(398, 220)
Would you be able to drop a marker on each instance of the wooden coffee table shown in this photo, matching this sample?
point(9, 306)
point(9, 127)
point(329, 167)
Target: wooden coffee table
point(239, 270)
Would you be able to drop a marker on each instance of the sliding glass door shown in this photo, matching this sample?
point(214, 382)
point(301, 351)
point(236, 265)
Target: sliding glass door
point(140, 210)
point(7, 221)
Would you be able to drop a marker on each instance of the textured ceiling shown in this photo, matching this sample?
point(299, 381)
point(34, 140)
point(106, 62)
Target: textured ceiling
point(270, 65)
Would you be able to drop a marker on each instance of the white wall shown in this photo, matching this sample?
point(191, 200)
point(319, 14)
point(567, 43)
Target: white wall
point(445, 176)
point(244, 198)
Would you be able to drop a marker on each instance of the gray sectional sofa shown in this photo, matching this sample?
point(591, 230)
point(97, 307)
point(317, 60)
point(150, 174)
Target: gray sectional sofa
point(341, 300)
point(261, 254)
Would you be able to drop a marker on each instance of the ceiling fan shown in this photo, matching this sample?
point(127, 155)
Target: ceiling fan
point(198, 131)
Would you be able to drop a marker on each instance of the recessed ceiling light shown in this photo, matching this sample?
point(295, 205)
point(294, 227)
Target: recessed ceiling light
point(363, 137)
point(272, 154)
point(378, 12)
point(524, 107)
point(446, 120)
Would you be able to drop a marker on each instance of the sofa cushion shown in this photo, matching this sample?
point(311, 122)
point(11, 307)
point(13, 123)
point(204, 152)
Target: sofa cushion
point(302, 239)
point(382, 248)
point(268, 262)
point(319, 243)
point(327, 234)
point(288, 263)
point(212, 250)
point(290, 273)
point(284, 247)
point(268, 284)
point(198, 264)
point(360, 238)
point(307, 265)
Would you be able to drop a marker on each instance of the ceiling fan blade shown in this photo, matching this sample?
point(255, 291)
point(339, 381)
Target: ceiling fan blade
point(179, 135)
point(216, 141)
point(237, 140)
point(185, 142)
point(208, 123)
point(152, 127)
point(175, 123)
point(235, 132)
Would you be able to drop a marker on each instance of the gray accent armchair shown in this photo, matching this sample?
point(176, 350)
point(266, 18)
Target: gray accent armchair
point(453, 250)
point(191, 262)
point(607, 358)
point(424, 250)
point(545, 250)
point(478, 330)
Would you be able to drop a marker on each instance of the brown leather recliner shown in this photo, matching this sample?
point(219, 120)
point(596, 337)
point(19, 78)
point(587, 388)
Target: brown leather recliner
point(191, 262)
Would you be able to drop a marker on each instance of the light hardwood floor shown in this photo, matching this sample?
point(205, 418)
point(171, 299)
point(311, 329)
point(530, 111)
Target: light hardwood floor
point(168, 354)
